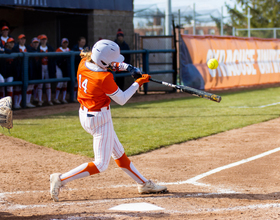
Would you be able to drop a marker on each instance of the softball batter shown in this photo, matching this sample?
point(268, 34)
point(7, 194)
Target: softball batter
point(96, 87)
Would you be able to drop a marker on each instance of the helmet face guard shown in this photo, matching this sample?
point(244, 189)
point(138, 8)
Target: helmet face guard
point(104, 52)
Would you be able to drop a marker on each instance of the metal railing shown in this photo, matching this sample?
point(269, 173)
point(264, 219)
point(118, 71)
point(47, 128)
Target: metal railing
point(72, 78)
point(234, 30)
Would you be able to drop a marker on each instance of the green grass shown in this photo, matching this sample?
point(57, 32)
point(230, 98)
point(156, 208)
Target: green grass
point(143, 127)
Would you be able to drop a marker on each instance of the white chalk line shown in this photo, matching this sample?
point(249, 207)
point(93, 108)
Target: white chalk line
point(63, 204)
point(196, 178)
point(192, 181)
point(261, 106)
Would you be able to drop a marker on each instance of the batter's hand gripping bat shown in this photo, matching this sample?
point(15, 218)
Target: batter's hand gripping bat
point(192, 91)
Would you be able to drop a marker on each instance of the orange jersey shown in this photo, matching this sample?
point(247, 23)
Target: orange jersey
point(60, 49)
point(4, 40)
point(22, 49)
point(93, 87)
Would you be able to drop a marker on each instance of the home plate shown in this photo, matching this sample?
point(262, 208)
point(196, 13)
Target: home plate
point(143, 206)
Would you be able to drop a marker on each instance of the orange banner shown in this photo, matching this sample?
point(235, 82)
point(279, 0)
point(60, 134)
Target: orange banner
point(242, 61)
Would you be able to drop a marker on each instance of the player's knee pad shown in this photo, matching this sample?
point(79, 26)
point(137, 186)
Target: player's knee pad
point(64, 85)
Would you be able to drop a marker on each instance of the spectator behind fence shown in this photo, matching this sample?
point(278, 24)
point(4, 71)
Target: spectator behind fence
point(123, 46)
point(22, 47)
point(35, 68)
point(9, 70)
point(3, 49)
point(62, 70)
point(4, 35)
point(48, 70)
point(81, 45)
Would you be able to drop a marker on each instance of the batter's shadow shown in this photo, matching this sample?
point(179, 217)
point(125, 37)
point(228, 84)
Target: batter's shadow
point(133, 214)
point(249, 196)
point(10, 216)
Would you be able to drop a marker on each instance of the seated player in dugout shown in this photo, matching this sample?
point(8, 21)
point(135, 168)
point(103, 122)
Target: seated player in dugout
point(96, 86)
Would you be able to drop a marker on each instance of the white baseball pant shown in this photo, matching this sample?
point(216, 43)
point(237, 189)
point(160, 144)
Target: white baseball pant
point(45, 75)
point(105, 145)
point(60, 85)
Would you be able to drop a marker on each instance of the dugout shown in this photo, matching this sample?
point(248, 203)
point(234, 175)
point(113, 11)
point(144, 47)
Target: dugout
point(93, 19)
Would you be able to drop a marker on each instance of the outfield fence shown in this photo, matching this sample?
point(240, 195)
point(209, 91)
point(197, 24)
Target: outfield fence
point(242, 61)
point(72, 75)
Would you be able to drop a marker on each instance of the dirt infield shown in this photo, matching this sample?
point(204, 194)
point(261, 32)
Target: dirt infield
point(231, 175)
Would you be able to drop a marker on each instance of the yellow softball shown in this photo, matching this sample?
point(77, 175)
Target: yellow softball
point(212, 64)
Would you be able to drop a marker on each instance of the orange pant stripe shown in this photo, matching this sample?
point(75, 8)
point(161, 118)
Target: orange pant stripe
point(91, 168)
point(124, 162)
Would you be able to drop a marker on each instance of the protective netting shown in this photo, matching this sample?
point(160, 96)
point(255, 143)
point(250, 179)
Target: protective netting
point(145, 15)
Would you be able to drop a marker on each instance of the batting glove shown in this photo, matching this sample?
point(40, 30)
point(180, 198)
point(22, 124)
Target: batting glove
point(144, 79)
point(135, 72)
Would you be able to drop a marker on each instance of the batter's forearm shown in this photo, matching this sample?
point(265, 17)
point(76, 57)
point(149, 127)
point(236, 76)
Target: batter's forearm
point(121, 97)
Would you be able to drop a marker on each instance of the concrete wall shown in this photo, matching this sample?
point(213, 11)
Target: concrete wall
point(105, 24)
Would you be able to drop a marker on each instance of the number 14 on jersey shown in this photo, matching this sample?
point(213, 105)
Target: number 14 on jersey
point(83, 84)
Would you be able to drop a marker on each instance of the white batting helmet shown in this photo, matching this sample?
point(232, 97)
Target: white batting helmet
point(105, 52)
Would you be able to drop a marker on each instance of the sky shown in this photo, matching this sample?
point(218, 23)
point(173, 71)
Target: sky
point(199, 4)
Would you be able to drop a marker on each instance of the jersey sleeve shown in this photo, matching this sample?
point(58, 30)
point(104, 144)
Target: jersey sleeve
point(119, 66)
point(121, 97)
point(109, 85)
